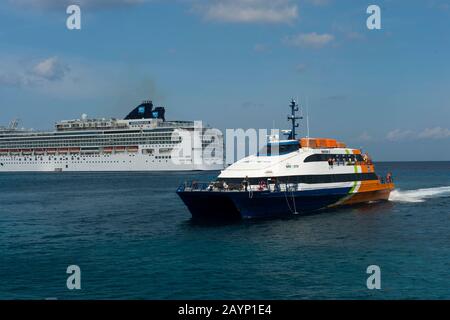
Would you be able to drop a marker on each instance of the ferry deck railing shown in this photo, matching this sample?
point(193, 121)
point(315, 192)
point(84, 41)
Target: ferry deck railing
point(232, 187)
point(218, 186)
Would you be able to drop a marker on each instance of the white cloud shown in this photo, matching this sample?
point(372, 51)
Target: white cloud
point(353, 35)
point(259, 47)
point(243, 11)
point(309, 40)
point(428, 133)
point(319, 2)
point(347, 31)
point(50, 69)
point(12, 80)
point(60, 4)
point(398, 135)
point(365, 137)
point(248, 11)
point(18, 74)
point(435, 133)
point(86, 79)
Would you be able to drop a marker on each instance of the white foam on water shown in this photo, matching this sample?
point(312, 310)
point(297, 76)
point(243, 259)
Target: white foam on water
point(419, 195)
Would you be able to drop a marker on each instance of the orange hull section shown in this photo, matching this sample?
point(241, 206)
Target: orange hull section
point(371, 191)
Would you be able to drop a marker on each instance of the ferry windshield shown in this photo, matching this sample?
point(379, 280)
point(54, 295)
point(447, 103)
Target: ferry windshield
point(274, 149)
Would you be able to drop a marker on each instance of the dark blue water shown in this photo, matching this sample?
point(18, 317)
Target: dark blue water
point(133, 238)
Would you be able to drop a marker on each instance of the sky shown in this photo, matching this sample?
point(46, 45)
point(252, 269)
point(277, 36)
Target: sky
point(237, 64)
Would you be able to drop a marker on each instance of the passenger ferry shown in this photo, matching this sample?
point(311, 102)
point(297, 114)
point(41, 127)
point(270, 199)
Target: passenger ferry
point(292, 176)
point(143, 141)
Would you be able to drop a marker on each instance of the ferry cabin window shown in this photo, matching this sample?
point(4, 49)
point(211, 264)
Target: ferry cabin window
point(337, 157)
point(270, 150)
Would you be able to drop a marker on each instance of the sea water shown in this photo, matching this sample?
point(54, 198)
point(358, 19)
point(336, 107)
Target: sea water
point(134, 239)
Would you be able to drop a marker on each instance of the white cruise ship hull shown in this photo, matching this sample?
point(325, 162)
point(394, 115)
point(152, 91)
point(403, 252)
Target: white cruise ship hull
point(99, 162)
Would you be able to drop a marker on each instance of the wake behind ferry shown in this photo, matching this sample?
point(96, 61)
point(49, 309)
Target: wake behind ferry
point(292, 176)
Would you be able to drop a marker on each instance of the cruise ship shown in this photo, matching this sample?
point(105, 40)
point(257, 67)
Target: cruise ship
point(288, 177)
point(142, 141)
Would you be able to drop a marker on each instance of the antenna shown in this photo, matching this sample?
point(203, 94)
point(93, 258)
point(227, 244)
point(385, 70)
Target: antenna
point(293, 118)
point(13, 124)
point(307, 117)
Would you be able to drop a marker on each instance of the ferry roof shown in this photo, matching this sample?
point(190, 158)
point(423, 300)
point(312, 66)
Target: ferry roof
point(284, 142)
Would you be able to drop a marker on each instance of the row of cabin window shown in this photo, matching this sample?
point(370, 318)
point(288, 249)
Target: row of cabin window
point(310, 179)
point(60, 162)
point(337, 157)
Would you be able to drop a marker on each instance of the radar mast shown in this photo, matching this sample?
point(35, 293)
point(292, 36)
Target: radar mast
point(293, 118)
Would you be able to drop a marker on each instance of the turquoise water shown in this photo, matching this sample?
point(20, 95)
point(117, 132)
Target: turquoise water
point(133, 239)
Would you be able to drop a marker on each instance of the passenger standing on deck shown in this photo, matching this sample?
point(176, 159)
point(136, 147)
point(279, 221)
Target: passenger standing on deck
point(365, 158)
point(245, 183)
point(330, 162)
point(389, 177)
point(276, 186)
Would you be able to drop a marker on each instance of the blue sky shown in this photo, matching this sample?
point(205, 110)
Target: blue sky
point(236, 64)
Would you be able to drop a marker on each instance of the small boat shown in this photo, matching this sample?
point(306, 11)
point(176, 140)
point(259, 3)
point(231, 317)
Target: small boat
point(288, 177)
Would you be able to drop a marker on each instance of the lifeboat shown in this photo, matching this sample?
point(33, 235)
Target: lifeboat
point(108, 149)
point(38, 151)
point(133, 149)
point(74, 150)
point(90, 150)
point(63, 150)
point(50, 151)
point(27, 151)
point(119, 149)
point(4, 151)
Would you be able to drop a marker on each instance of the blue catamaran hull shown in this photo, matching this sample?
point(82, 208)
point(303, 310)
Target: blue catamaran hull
point(258, 204)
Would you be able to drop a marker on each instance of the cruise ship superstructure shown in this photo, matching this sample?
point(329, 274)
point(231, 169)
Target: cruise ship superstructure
point(143, 141)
